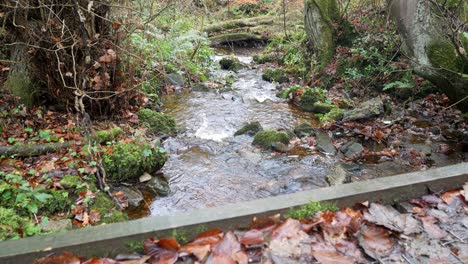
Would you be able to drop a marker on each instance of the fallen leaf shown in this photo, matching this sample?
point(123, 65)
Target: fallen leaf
point(433, 231)
point(375, 241)
point(327, 254)
point(163, 251)
point(252, 237)
point(392, 219)
point(65, 258)
point(228, 250)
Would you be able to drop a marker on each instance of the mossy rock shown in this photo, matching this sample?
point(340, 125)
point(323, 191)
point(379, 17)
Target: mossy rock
point(264, 58)
point(250, 129)
point(157, 123)
point(275, 75)
point(128, 161)
point(106, 208)
point(303, 130)
point(230, 64)
point(265, 139)
point(334, 115)
point(10, 223)
point(311, 101)
point(442, 54)
point(104, 136)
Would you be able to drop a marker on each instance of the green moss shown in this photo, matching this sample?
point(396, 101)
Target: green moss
point(128, 161)
point(249, 129)
point(11, 224)
point(157, 123)
point(230, 64)
point(275, 75)
point(264, 58)
point(60, 202)
point(266, 138)
point(442, 54)
point(310, 209)
point(104, 136)
point(22, 87)
point(333, 115)
point(322, 108)
point(106, 208)
point(70, 181)
point(310, 97)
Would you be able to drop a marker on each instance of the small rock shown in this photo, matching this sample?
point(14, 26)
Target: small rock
point(339, 174)
point(145, 177)
point(250, 129)
point(175, 79)
point(159, 186)
point(353, 150)
point(134, 196)
point(57, 225)
point(366, 110)
point(280, 147)
point(324, 143)
point(303, 130)
point(423, 148)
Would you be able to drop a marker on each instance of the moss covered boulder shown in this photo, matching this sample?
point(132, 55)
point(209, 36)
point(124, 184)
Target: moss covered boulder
point(335, 114)
point(106, 208)
point(265, 139)
point(249, 129)
point(128, 161)
point(157, 123)
point(275, 75)
point(230, 64)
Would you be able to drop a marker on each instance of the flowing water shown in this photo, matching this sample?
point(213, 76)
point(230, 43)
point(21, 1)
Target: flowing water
point(208, 166)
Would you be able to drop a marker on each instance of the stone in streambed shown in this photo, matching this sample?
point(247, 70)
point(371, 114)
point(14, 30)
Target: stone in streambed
point(265, 139)
point(353, 150)
point(303, 130)
point(134, 196)
point(159, 186)
point(366, 110)
point(250, 129)
point(324, 143)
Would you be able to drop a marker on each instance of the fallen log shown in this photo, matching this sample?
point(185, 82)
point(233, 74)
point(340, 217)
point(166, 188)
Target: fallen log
point(26, 150)
point(239, 23)
point(235, 37)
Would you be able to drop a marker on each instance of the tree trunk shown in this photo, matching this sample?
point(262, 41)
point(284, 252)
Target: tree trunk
point(426, 43)
point(319, 18)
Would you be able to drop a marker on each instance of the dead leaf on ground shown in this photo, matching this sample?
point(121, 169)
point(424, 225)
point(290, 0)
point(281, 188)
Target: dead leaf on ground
point(228, 250)
point(327, 254)
point(433, 230)
point(162, 251)
point(65, 258)
point(390, 218)
point(375, 241)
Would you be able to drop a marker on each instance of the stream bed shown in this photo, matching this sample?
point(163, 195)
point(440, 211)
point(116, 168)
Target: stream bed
point(208, 166)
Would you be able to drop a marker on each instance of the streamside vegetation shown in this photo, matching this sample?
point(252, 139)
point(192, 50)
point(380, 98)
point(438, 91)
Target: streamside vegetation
point(82, 120)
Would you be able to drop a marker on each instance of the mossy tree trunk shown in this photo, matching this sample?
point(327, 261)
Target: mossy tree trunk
point(429, 46)
point(319, 18)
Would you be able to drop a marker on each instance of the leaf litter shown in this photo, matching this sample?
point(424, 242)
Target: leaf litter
point(433, 230)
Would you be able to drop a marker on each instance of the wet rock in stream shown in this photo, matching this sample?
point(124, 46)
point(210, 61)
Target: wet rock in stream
point(324, 143)
point(158, 186)
point(250, 129)
point(134, 196)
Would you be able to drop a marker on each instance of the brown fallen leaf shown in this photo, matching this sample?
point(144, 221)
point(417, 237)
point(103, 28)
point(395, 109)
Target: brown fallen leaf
point(375, 241)
point(252, 237)
point(433, 230)
point(96, 260)
point(201, 246)
point(65, 258)
point(390, 218)
point(228, 250)
point(327, 254)
point(162, 251)
point(288, 229)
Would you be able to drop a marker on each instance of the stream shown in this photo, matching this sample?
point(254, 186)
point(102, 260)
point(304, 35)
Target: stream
point(208, 166)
